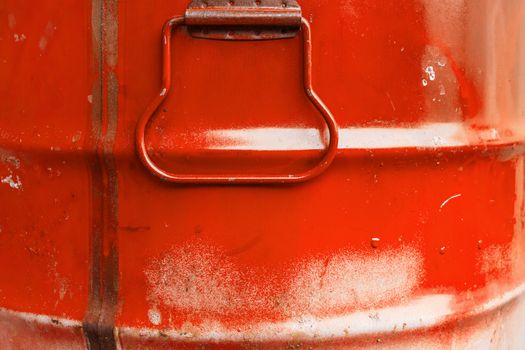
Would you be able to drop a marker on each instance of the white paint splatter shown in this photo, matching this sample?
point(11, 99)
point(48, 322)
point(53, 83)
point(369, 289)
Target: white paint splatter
point(19, 37)
point(13, 182)
point(431, 73)
point(154, 317)
point(430, 135)
point(90, 98)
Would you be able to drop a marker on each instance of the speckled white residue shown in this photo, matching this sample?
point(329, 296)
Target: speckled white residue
point(201, 278)
point(495, 260)
point(197, 278)
point(13, 182)
point(355, 280)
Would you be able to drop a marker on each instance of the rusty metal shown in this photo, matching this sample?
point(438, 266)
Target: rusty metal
point(243, 19)
point(99, 320)
point(238, 178)
point(266, 13)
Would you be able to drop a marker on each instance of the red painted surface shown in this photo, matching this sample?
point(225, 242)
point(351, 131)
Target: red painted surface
point(417, 224)
point(44, 151)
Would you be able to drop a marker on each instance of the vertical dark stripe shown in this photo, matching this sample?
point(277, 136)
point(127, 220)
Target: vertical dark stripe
point(90, 323)
point(99, 321)
point(110, 263)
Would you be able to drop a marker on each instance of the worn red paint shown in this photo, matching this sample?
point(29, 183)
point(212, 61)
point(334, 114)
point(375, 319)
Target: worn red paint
point(412, 238)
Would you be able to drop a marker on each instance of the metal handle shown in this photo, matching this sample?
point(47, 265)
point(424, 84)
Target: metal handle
point(321, 166)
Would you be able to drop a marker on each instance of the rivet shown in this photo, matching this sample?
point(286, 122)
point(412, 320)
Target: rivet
point(285, 4)
point(258, 2)
point(442, 250)
point(374, 242)
point(231, 2)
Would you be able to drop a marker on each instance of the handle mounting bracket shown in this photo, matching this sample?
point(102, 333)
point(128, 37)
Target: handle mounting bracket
point(243, 19)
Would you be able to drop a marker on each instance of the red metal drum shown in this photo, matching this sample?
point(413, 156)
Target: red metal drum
point(169, 180)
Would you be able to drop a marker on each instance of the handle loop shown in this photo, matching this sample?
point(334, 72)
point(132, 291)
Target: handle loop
point(309, 174)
